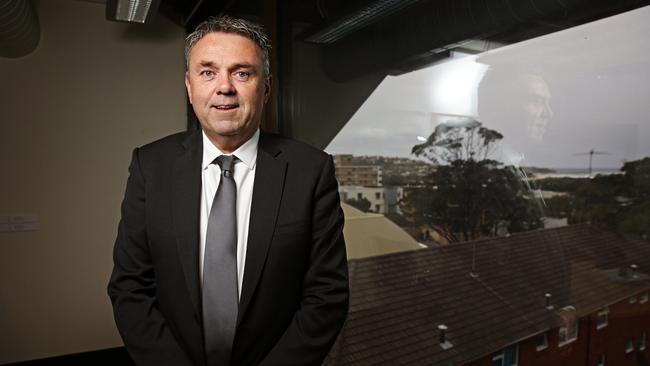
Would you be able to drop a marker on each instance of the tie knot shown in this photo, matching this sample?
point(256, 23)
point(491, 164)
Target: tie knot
point(226, 163)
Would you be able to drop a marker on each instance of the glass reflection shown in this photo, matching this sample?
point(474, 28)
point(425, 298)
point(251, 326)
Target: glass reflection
point(527, 236)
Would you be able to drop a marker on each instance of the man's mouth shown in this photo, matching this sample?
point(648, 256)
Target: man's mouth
point(225, 107)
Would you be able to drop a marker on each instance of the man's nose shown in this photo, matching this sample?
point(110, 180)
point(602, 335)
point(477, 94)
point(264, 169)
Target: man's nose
point(547, 111)
point(225, 86)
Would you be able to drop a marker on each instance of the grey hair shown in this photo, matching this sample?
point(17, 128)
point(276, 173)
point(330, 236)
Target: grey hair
point(227, 24)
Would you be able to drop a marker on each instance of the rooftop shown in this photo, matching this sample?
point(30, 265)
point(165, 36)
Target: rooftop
point(398, 300)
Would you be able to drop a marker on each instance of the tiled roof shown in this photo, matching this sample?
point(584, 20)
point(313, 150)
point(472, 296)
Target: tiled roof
point(398, 300)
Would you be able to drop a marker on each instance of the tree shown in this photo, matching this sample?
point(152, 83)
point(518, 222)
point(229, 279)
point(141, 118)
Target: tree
point(620, 201)
point(467, 194)
point(362, 203)
point(458, 141)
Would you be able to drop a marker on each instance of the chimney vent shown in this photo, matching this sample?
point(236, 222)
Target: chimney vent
point(444, 343)
point(548, 296)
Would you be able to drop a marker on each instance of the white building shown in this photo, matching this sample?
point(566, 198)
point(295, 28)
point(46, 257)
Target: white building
point(382, 199)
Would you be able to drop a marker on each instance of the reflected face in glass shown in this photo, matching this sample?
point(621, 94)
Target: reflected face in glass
point(227, 88)
point(537, 107)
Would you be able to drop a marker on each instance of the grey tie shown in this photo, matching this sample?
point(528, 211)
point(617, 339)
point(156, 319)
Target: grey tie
point(220, 294)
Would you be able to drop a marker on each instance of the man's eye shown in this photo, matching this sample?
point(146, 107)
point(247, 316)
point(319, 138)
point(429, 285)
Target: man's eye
point(207, 73)
point(242, 74)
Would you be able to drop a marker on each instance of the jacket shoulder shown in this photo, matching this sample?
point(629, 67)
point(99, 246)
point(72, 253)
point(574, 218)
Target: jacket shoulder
point(170, 145)
point(292, 149)
point(170, 141)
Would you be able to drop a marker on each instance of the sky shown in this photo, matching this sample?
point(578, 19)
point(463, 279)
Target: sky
point(554, 98)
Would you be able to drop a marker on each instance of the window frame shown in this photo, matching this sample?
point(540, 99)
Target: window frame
point(501, 356)
point(575, 324)
point(603, 314)
point(642, 341)
point(629, 346)
point(539, 347)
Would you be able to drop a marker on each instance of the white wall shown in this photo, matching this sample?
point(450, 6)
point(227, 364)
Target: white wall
point(70, 114)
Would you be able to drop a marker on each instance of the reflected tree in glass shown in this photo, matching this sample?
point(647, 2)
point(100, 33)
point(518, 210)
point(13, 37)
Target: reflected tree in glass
point(467, 195)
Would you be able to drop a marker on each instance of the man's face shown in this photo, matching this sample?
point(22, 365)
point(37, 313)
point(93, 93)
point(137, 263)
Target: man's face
point(537, 106)
point(227, 87)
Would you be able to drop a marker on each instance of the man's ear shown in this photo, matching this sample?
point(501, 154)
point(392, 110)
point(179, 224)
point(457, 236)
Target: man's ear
point(267, 88)
point(188, 86)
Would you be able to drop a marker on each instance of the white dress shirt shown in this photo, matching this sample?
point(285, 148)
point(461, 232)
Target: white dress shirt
point(244, 176)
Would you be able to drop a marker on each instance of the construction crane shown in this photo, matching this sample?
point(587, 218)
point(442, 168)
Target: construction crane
point(591, 154)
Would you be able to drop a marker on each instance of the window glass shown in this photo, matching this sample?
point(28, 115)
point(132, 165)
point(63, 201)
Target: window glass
point(568, 325)
point(520, 171)
point(541, 134)
point(541, 342)
point(602, 319)
point(510, 355)
point(629, 346)
point(507, 357)
point(642, 341)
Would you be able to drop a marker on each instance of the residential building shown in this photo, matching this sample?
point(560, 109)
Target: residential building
point(382, 199)
point(356, 175)
point(575, 295)
point(371, 234)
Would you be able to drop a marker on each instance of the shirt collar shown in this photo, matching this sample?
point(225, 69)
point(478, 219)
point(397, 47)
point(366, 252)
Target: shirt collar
point(246, 153)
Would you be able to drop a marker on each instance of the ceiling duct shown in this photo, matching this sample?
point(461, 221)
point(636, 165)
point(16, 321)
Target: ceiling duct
point(20, 31)
point(356, 20)
point(426, 31)
point(132, 11)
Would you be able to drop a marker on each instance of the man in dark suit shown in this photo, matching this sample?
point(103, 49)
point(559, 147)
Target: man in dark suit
point(285, 267)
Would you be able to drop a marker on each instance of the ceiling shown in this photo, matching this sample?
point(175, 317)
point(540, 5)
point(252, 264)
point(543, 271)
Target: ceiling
point(403, 35)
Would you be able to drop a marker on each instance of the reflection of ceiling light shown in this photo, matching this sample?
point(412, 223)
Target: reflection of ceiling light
point(132, 11)
point(358, 20)
point(421, 138)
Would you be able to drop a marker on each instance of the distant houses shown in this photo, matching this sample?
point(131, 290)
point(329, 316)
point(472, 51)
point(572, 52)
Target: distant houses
point(574, 295)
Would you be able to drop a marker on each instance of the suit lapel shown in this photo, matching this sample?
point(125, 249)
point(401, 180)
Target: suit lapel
point(186, 211)
point(267, 194)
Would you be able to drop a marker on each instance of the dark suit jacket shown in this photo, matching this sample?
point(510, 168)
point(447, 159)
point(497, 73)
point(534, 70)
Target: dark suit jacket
point(295, 291)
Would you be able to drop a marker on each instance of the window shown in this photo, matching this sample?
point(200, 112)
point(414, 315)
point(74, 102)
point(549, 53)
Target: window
point(541, 342)
point(568, 331)
point(377, 195)
point(534, 94)
point(629, 346)
point(359, 196)
point(377, 208)
point(507, 357)
point(600, 361)
point(602, 319)
point(633, 300)
point(642, 341)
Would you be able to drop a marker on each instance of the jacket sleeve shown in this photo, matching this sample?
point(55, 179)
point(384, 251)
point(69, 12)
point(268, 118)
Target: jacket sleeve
point(132, 286)
point(324, 303)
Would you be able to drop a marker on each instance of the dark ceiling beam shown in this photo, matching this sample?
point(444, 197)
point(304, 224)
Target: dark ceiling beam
point(356, 20)
point(419, 35)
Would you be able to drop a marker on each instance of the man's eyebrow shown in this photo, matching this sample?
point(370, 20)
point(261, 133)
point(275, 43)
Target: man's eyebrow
point(206, 64)
point(238, 66)
point(242, 66)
